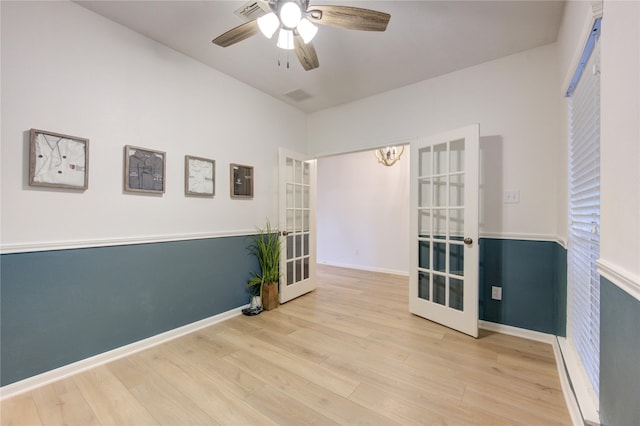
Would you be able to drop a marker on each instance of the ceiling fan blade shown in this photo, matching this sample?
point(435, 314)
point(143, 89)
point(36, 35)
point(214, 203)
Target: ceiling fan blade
point(237, 34)
point(306, 53)
point(352, 18)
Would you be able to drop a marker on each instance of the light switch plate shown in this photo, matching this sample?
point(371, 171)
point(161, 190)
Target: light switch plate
point(511, 197)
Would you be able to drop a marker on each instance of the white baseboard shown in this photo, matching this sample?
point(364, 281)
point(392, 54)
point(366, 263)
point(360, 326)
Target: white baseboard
point(565, 383)
point(364, 268)
point(68, 370)
point(516, 331)
point(584, 395)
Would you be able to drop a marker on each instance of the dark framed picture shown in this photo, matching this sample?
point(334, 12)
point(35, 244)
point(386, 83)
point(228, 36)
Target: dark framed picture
point(199, 176)
point(144, 170)
point(241, 178)
point(58, 161)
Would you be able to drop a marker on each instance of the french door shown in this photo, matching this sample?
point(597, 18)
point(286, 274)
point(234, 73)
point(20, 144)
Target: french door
point(297, 225)
point(444, 229)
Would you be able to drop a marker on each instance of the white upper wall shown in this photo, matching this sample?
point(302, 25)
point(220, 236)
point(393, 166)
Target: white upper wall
point(515, 100)
point(68, 70)
point(620, 138)
point(576, 24)
point(363, 212)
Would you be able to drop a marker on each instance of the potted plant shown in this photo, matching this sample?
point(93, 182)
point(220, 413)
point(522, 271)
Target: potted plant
point(265, 246)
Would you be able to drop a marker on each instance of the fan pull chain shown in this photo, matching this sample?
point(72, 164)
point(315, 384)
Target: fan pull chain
point(288, 66)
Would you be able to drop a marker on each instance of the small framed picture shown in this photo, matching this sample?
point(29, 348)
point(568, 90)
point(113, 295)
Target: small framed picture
point(241, 178)
point(144, 170)
point(199, 176)
point(58, 161)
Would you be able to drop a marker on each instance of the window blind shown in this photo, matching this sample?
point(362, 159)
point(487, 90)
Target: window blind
point(583, 322)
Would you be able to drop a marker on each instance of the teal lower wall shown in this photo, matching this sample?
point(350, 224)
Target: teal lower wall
point(619, 356)
point(59, 307)
point(533, 278)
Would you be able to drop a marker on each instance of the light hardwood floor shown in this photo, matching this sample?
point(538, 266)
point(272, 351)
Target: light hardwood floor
point(348, 353)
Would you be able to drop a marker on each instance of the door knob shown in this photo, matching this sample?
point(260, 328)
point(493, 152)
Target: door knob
point(468, 241)
point(285, 233)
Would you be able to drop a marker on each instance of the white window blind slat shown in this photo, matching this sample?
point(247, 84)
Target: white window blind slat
point(583, 319)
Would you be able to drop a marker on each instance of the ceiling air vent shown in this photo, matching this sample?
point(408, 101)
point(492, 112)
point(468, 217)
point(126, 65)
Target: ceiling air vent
point(253, 10)
point(297, 95)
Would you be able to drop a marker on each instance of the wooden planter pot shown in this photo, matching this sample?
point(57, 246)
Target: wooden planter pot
point(270, 296)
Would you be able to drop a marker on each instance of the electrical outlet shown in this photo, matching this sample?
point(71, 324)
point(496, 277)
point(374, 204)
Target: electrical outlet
point(496, 292)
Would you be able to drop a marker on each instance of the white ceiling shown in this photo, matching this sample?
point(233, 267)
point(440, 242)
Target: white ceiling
point(424, 39)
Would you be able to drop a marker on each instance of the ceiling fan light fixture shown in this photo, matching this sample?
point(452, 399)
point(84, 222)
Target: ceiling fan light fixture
point(285, 39)
point(290, 14)
point(268, 24)
point(307, 30)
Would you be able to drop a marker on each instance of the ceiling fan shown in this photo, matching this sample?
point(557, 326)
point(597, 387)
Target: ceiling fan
point(295, 19)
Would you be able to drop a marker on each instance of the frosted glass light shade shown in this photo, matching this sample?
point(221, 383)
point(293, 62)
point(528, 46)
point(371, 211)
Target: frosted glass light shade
point(268, 24)
point(307, 30)
point(290, 15)
point(285, 39)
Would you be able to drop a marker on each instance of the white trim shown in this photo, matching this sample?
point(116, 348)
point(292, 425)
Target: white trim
point(68, 370)
point(365, 268)
point(623, 279)
point(538, 336)
point(526, 237)
point(583, 391)
point(66, 245)
point(569, 397)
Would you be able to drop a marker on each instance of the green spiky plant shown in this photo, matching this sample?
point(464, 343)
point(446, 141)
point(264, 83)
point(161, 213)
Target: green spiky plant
point(265, 246)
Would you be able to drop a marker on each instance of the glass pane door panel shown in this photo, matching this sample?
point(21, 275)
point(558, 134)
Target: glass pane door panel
point(305, 220)
point(298, 225)
point(456, 294)
point(424, 193)
point(424, 223)
point(439, 289)
point(423, 285)
point(289, 224)
point(289, 170)
point(290, 200)
point(305, 267)
point(298, 167)
point(456, 156)
point(425, 162)
point(305, 173)
point(289, 247)
point(424, 252)
point(290, 272)
point(305, 196)
point(439, 224)
point(456, 259)
point(439, 257)
point(298, 245)
point(456, 190)
point(305, 249)
point(440, 159)
point(456, 224)
point(298, 197)
point(298, 269)
point(440, 191)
